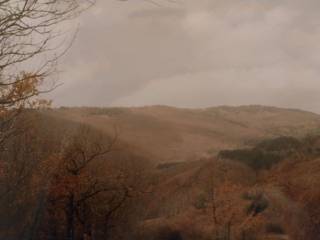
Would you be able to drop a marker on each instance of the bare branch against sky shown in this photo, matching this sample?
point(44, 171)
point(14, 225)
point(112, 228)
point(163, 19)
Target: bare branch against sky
point(195, 53)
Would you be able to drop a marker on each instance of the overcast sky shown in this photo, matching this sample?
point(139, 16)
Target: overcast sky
point(195, 53)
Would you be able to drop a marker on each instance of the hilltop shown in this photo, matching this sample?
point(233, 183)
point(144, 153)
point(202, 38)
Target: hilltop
point(168, 134)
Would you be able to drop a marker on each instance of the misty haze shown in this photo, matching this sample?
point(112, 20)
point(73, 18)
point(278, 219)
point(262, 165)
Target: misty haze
point(159, 120)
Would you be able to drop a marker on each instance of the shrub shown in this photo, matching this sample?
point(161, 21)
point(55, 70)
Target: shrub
point(248, 235)
point(280, 144)
point(274, 228)
point(254, 158)
point(169, 234)
point(265, 154)
point(259, 203)
point(200, 202)
point(168, 165)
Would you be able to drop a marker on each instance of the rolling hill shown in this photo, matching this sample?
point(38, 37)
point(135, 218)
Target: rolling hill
point(204, 161)
point(167, 134)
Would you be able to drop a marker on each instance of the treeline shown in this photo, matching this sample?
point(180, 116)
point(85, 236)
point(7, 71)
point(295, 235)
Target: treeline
point(272, 151)
point(61, 180)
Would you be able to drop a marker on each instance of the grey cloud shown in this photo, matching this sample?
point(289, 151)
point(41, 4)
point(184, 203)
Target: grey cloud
point(204, 52)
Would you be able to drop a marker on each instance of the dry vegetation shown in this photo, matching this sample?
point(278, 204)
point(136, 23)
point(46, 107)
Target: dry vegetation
point(173, 135)
point(143, 173)
point(77, 180)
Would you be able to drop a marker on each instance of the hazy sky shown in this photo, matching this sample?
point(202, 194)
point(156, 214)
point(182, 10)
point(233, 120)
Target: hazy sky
point(195, 53)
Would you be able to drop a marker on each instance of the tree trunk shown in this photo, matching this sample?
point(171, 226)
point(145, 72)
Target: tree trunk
point(229, 231)
point(70, 212)
point(87, 235)
point(244, 235)
point(37, 217)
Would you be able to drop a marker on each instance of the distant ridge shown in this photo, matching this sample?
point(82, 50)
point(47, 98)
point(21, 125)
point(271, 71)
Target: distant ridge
point(170, 134)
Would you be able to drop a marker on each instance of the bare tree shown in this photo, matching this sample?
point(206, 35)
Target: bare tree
point(92, 192)
point(74, 186)
point(30, 45)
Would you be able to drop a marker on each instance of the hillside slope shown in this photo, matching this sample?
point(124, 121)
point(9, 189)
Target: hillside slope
point(191, 183)
point(277, 202)
point(167, 134)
